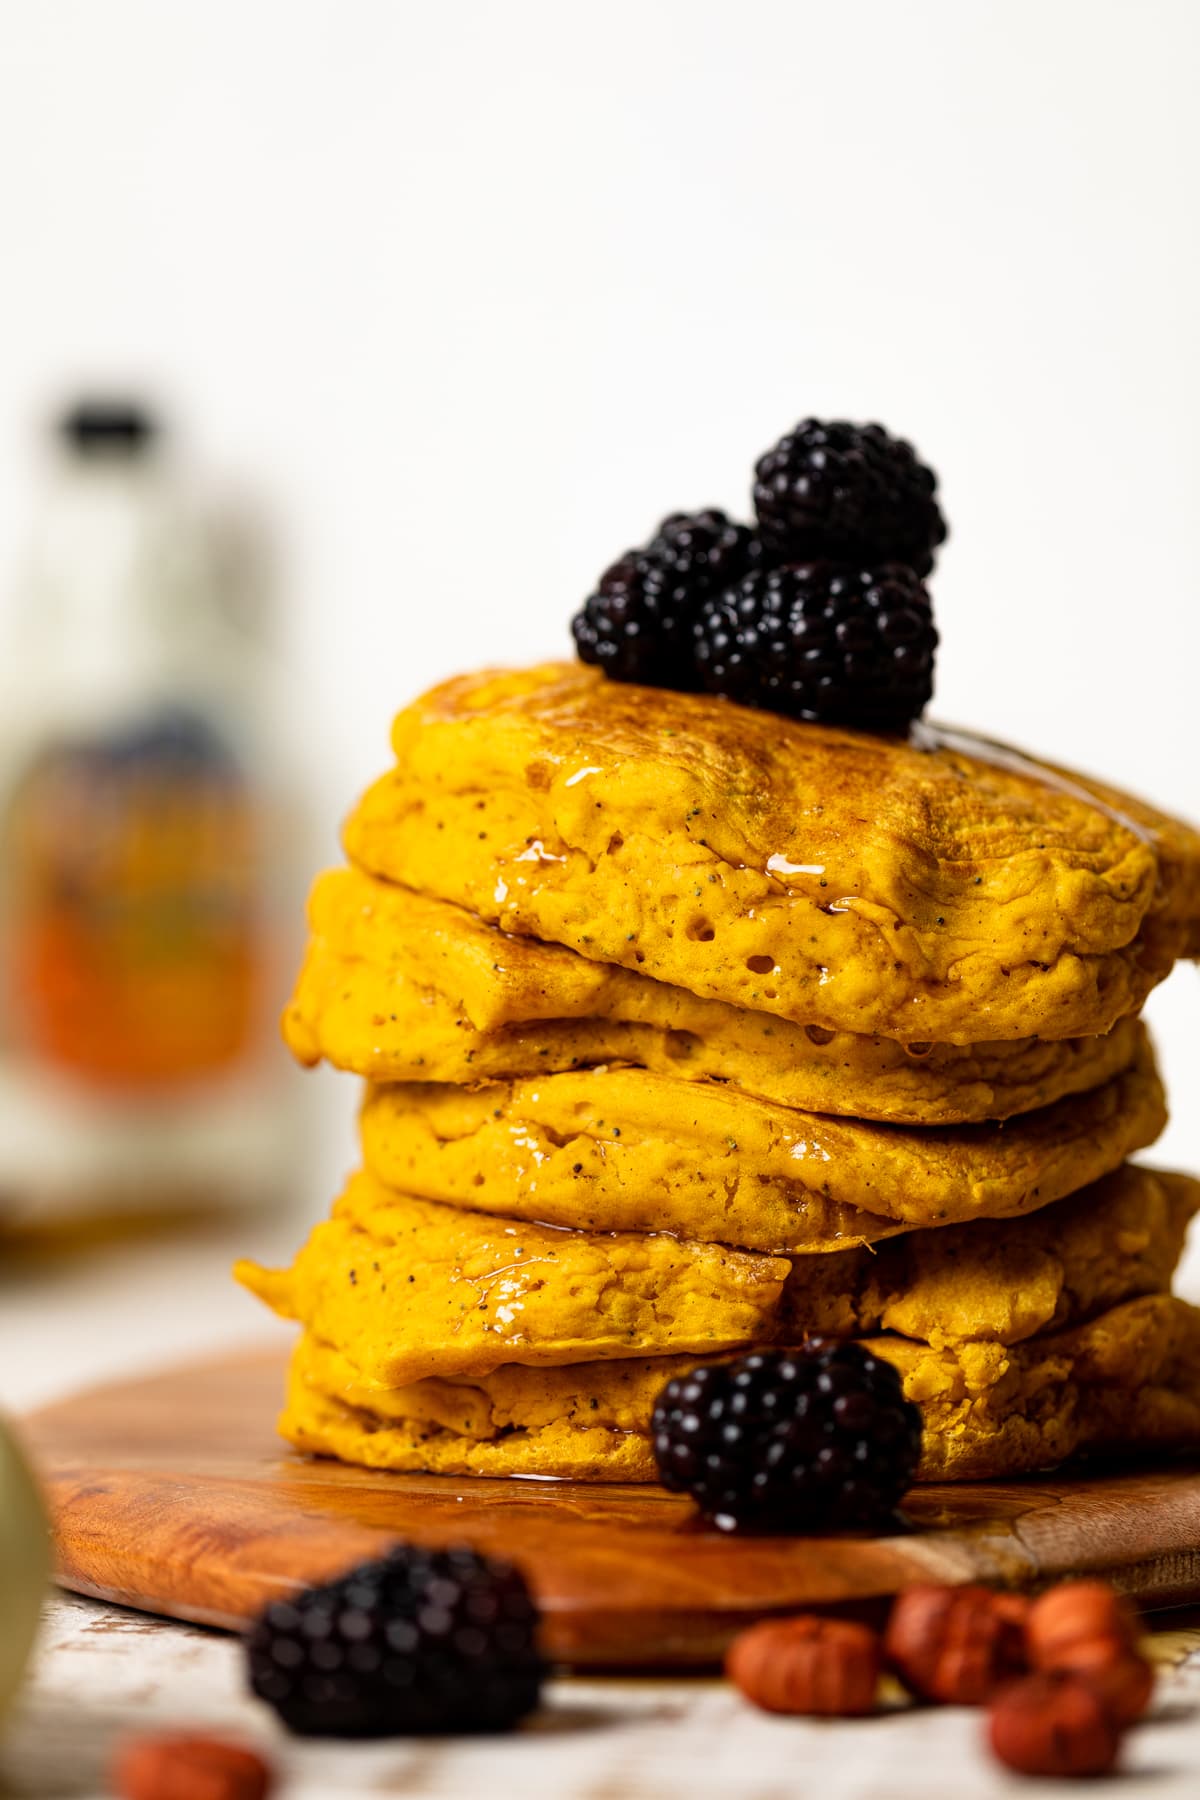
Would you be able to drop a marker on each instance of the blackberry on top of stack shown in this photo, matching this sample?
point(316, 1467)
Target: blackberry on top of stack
point(752, 1068)
point(817, 611)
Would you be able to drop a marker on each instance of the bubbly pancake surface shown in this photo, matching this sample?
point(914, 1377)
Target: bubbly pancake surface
point(400, 987)
point(1128, 1379)
point(622, 1149)
point(912, 889)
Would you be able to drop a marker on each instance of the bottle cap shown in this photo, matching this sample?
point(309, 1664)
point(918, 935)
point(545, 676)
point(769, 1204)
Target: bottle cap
point(107, 427)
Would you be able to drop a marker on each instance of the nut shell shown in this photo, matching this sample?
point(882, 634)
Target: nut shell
point(1086, 1628)
point(827, 1668)
point(1123, 1679)
point(1053, 1725)
point(956, 1645)
point(182, 1767)
point(1077, 1611)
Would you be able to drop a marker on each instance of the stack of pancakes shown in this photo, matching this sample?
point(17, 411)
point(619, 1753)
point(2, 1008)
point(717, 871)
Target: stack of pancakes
point(687, 1028)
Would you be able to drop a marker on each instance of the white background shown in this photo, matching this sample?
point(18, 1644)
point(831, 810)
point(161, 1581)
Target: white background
point(470, 293)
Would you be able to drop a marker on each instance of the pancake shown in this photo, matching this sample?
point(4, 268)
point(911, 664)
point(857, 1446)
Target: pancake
point(581, 1432)
point(928, 890)
point(399, 987)
point(625, 1150)
point(1004, 1280)
point(384, 1282)
point(408, 1288)
point(1128, 1380)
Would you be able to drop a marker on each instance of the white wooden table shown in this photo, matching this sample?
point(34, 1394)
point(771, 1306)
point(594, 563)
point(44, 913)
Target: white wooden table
point(102, 1672)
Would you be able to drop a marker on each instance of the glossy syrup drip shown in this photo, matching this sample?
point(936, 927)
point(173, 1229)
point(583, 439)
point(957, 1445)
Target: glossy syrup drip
point(924, 736)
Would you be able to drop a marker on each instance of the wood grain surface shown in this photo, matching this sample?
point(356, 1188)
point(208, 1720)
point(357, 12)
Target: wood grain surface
point(171, 1493)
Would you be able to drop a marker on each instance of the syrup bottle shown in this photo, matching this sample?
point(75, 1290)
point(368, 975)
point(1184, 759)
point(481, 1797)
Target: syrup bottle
point(146, 851)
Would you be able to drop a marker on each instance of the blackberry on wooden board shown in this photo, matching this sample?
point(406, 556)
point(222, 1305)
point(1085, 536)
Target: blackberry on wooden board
point(817, 1438)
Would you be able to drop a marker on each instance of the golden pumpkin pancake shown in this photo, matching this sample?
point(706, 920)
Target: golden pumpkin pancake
point(399, 987)
point(384, 1281)
point(1127, 1380)
point(568, 1428)
point(408, 1288)
point(1005, 1279)
point(936, 889)
point(626, 1150)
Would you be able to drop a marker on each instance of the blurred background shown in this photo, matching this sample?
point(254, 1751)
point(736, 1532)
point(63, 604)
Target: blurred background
point(344, 344)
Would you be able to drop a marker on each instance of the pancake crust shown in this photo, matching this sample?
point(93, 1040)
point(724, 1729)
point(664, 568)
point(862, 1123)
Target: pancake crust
point(384, 1282)
point(1003, 1280)
point(1128, 1380)
point(408, 1289)
point(400, 987)
point(622, 1150)
point(914, 889)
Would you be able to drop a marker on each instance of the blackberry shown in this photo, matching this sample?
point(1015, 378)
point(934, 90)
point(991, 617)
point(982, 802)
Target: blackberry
point(822, 641)
point(421, 1641)
point(848, 492)
point(637, 625)
point(790, 1440)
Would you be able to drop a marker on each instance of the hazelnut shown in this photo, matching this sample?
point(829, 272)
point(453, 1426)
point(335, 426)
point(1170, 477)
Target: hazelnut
point(956, 1644)
point(179, 1767)
point(1123, 1679)
point(828, 1667)
point(1086, 1628)
point(1075, 1611)
point(1053, 1725)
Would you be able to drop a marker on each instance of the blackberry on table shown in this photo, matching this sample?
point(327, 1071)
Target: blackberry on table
point(811, 1439)
point(637, 625)
point(851, 493)
point(822, 641)
point(421, 1641)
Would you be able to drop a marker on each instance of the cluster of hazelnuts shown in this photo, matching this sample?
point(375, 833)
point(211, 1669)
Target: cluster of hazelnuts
point(1062, 1676)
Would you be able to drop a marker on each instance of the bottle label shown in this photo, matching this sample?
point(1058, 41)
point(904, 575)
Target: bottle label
point(133, 933)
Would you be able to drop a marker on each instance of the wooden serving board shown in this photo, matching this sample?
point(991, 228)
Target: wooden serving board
point(172, 1494)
